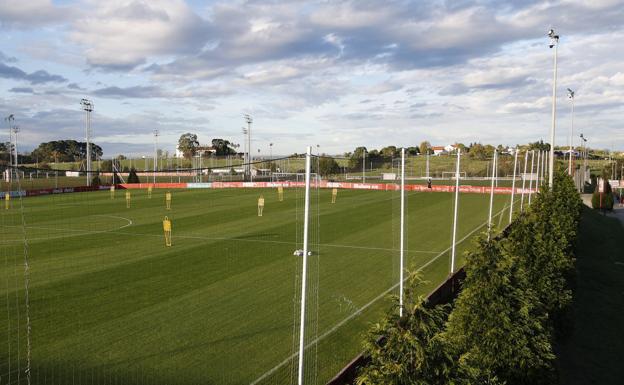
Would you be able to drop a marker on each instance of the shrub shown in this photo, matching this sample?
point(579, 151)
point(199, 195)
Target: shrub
point(603, 201)
point(133, 177)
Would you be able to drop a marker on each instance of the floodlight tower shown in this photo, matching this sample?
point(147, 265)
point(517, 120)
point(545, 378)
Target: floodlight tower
point(156, 134)
point(248, 120)
point(87, 106)
point(584, 150)
point(571, 97)
point(16, 129)
point(10, 122)
point(554, 43)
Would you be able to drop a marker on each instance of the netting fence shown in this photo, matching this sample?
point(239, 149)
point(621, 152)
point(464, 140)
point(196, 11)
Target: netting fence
point(195, 276)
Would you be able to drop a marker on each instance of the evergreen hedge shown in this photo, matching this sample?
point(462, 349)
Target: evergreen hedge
point(513, 308)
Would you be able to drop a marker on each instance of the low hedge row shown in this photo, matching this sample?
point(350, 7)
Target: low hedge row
point(513, 307)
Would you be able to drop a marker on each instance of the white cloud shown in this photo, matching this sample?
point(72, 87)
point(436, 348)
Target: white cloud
point(123, 34)
point(26, 14)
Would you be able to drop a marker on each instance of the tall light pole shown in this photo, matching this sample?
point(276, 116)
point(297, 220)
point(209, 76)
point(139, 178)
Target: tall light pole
point(16, 129)
point(87, 106)
point(554, 43)
point(571, 97)
point(156, 134)
point(248, 120)
point(364, 165)
point(10, 122)
point(584, 155)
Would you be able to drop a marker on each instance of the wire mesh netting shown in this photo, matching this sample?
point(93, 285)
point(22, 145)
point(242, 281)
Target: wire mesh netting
point(97, 288)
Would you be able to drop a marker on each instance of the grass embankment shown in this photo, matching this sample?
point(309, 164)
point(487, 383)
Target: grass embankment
point(593, 354)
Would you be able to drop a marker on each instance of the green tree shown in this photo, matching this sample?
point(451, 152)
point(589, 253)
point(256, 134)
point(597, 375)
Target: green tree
point(494, 326)
point(409, 349)
point(477, 151)
point(133, 177)
point(425, 148)
point(188, 144)
point(223, 147)
point(96, 180)
point(327, 166)
point(355, 160)
point(412, 151)
point(389, 152)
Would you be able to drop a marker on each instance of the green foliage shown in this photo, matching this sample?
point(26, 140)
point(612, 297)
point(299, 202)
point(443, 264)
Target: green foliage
point(95, 181)
point(223, 147)
point(494, 326)
point(479, 151)
point(425, 148)
point(411, 350)
point(412, 151)
point(327, 166)
point(65, 151)
point(539, 146)
point(133, 177)
point(513, 306)
point(188, 144)
point(604, 200)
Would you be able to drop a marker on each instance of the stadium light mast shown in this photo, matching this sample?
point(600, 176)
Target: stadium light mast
point(492, 194)
point(526, 158)
point(554, 43)
point(248, 120)
point(455, 212)
point(402, 246)
point(584, 155)
point(156, 134)
point(306, 220)
point(87, 106)
point(15, 129)
point(513, 184)
point(364, 165)
point(571, 97)
point(10, 122)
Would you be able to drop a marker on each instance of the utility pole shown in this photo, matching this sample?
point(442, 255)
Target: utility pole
point(455, 209)
point(16, 129)
point(513, 185)
point(492, 194)
point(571, 97)
point(402, 251)
point(156, 134)
point(87, 106)
point(10, 122)
point(306, 222)
point(364, 165)
point(554, 42)
point(248, 120)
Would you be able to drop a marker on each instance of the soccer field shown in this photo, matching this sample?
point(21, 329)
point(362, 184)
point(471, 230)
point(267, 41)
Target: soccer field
point(109, 303)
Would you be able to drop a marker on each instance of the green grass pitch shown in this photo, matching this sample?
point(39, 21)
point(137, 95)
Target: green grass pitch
point(109, 303)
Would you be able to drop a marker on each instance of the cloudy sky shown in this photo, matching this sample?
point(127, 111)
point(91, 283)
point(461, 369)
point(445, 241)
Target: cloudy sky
point(334, 73)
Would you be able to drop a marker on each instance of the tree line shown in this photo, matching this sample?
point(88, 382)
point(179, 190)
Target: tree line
point(512, 311)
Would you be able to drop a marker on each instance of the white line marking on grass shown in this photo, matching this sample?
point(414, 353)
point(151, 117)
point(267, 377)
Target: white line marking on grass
point(359, 311)
point(117, 217)
point(72, 230)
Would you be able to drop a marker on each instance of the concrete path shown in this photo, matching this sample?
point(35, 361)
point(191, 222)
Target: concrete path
point(618, 210)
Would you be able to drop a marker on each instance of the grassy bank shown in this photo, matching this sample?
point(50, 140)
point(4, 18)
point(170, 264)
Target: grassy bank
point(593, 353)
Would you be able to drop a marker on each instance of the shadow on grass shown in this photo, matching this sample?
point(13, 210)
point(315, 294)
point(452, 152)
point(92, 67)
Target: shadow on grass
point(593, 353)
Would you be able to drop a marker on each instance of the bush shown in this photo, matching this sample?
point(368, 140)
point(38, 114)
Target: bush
point(514, 304)
point(133, 177)
point(96, 180)
point(603, 201)
point(411, 346)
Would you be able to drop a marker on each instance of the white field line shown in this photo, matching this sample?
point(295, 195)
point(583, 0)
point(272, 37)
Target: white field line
point(357, 312)
point(115, 231)
point(71, 230)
